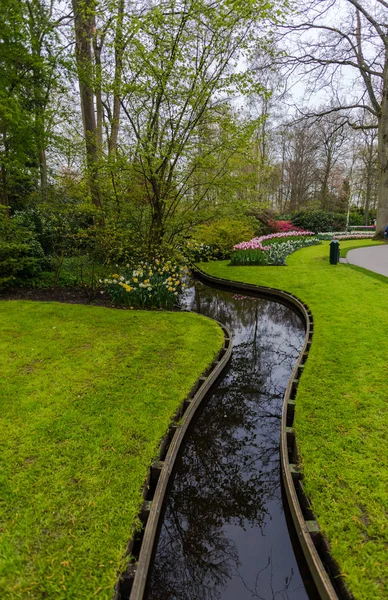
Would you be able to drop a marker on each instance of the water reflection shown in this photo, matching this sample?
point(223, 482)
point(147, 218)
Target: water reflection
point(224, 534)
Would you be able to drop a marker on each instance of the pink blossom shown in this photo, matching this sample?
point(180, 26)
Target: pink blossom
point(256, 243)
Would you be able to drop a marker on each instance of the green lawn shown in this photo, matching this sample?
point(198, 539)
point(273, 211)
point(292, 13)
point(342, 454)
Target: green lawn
point(86, 395)
point(342, 406)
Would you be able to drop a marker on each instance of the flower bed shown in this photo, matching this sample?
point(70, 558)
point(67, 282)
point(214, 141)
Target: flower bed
point(276, 250)
point(345, 235)
point(256, 243)
point(197, 252)
point(274, 254)
point(148, 285)
point(353, 236)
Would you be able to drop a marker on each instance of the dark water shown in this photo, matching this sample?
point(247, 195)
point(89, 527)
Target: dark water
point(224, 534)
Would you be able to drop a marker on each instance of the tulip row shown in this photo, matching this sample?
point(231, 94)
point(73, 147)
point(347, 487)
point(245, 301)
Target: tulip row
point(256, 243)
point(274, 254)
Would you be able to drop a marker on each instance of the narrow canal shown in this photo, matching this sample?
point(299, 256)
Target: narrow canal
point(225, 535)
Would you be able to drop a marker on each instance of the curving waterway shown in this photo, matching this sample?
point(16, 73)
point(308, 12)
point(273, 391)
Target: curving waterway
point(225, 534)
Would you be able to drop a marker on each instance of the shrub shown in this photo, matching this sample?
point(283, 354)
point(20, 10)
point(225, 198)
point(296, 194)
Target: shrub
point(280, 226)
point(154, 284)
point(224, 234)
point(320, 220)
point(21, 255)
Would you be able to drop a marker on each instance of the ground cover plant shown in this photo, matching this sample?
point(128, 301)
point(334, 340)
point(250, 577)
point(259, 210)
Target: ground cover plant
point(87, 393)
point(341, 406)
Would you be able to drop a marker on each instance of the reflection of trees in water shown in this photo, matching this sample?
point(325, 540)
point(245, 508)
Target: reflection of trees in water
point(228, 472)
point(276, 592)
point(237, 312)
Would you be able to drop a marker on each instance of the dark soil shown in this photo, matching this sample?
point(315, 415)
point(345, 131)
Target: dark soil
point(70, 295)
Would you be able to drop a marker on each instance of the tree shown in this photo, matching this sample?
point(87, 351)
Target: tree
point(84, 27)
point(31, 74)
point(17, 144)
point(299, 165)
point(331, 138)
point(179, 71)
point(334, 40)
point(366, 171)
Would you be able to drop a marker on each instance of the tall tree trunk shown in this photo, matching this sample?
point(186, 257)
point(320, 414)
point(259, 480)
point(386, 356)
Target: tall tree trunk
point(325, 184)
point(97, 48)
point(382, 206)
point(117, 79)
point(368, 194)
point(83, 22)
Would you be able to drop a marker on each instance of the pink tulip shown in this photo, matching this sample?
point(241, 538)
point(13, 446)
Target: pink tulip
point(256, 243)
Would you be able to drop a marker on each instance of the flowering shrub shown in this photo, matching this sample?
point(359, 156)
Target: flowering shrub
point(147, 285)
point(281, 226)
point(256, 243)
point(275, 254)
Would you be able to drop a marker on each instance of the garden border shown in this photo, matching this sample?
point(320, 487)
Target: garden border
point(324, 570)
point(132, 583)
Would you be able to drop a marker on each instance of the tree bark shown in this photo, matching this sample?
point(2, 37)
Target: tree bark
point(325, 183)
point(117, 79)
point(83, 22)
point(97, 48)
point(382, 206)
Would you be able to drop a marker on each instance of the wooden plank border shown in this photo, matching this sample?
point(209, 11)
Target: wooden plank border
point(323, 568)
point(132, 583)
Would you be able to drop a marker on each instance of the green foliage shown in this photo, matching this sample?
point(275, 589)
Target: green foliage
point(86, 395)
point(30, 73)
point(224, 234)
point(356, 218)
point(322, 221)
point(21, 255)
point(183, 162)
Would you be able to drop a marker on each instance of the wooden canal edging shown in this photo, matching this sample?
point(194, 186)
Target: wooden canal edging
point(132, 583)
point(323, 568)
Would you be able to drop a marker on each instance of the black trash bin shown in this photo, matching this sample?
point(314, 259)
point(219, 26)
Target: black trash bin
point(334, 252)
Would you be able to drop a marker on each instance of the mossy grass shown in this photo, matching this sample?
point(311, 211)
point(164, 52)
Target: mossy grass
point(86, 395)
point(341, 406)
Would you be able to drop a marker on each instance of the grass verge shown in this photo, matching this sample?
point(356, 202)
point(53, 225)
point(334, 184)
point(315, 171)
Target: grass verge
point(87, 393)
point(341, 411)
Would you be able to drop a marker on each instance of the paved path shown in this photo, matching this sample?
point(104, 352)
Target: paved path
point(373, 258)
